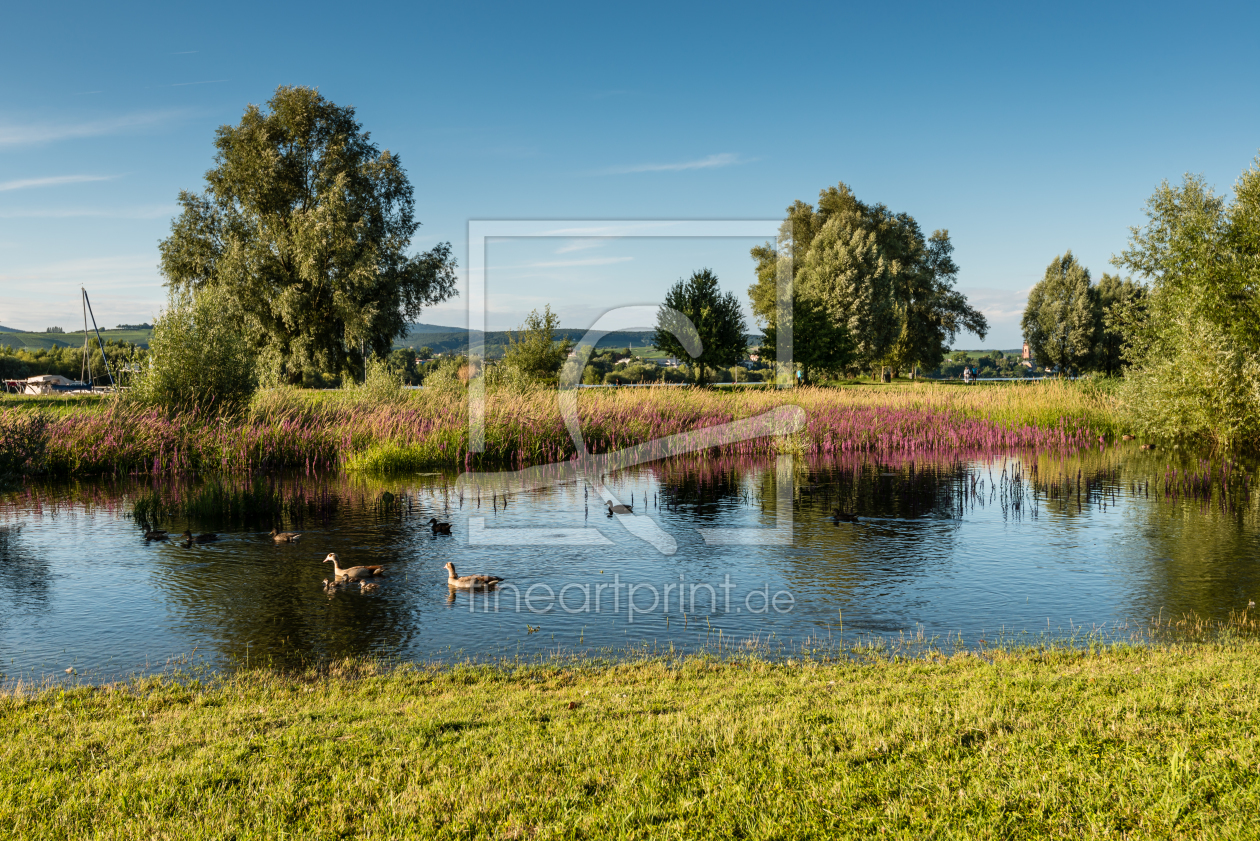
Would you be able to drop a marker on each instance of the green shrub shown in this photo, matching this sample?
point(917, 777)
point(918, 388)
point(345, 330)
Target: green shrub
point(449, 375)
point(1194, 339)
point(383, 384)
point(198, 355)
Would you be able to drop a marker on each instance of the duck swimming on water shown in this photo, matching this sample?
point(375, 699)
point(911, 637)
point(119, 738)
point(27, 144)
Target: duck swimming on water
point(352, 573)
point(208, 537)
point(469, 582)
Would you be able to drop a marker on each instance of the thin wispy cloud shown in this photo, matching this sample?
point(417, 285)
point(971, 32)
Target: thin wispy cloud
point(583, 244)
point(134, 269)
point(711, 162)
point(143, 212)
point(51, 181)
point(22, 134)
point(1003, 308)
point(592, 261)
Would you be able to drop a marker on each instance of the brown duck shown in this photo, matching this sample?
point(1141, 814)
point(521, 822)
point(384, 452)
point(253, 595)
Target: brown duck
point(208, 537)
point(469, 582)
point(352, 573)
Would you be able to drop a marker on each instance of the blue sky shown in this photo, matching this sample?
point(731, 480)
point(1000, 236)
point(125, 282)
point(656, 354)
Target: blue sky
point(1024, 131)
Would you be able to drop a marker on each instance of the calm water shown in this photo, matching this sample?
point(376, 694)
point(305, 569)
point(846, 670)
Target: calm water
point(973, 547)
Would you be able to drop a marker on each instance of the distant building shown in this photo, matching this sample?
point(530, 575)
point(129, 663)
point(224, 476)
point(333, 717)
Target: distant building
point(1028, 360)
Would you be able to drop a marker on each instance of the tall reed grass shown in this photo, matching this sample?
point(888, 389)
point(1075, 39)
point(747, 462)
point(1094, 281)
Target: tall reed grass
point(318, 432)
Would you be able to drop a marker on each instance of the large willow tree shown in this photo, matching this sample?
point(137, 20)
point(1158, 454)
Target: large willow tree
point(305, 224)
point(873, 290)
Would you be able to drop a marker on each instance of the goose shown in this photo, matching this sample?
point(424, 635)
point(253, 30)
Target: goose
point(353, 573)
point(155, 535)
point(843, 517)
point(208, 537)
point(1126, 437)
point(285, 536)
point(368, 587)
point(439, 528)
point(618, 509)
point(469, 582)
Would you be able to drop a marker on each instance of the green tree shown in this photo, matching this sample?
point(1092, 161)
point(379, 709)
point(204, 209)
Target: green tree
point(305, 224)
point(932, 312)
point(402, 363)
point(826, 349)
point(198, 354)
point(845, 271)
point(1120, 300)
point(717, 319)
point(1061, 319)
point(534, 353)
point(1193, 342)
point(873, 274)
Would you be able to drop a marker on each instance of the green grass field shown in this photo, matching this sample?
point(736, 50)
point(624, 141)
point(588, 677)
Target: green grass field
point(1127, 741)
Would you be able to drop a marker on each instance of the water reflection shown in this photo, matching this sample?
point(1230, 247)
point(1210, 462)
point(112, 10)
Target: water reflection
point(1022, 542)
point(23, 576)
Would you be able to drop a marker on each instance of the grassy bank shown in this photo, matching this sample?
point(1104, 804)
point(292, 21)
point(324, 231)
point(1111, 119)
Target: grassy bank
point(1126, 741)
point(332, 430)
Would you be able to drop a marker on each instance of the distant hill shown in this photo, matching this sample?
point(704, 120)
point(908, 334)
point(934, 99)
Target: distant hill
point(432, 328)
point(4, 329)
point(35, 341)
point(496, 342)
point(976, 354)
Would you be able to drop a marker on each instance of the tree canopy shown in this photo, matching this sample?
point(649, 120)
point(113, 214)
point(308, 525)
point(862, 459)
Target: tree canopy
point(305, 224)
point(888, 292)
point(1194, 341)
point(1120, 301)
point(533, 352)
point(1062, 319)
point(717, 319)
point(197, 354)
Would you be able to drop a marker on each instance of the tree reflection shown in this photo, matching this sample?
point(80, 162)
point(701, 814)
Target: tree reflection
point(23, 575)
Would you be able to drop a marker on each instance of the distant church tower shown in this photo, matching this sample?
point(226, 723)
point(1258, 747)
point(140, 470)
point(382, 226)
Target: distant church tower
point(1028, 363)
